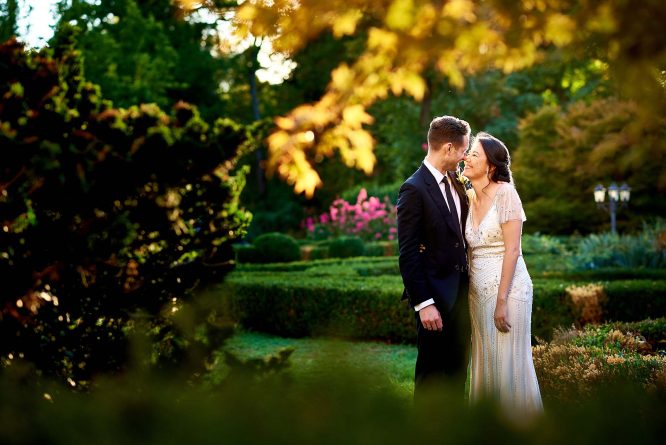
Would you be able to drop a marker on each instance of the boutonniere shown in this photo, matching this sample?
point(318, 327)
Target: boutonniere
point(467, 185)
point(463, 180)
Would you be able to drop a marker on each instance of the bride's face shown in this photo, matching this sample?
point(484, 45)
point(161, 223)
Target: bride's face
point(476, 162)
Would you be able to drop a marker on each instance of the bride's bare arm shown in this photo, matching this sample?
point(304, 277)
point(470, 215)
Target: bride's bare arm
point(511, 231)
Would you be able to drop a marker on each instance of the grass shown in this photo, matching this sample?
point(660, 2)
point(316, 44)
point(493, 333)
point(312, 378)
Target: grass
point(313, 357)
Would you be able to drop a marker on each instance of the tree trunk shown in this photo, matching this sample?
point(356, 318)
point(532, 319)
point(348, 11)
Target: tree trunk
point(426, 103)
point(259, 157)
point(9, 20)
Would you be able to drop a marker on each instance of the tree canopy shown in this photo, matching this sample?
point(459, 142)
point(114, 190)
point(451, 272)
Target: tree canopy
point(8, 19)
point(406, 38)
point(146, 52)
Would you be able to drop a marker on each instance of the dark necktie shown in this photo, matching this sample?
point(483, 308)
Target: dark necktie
point(452, 203)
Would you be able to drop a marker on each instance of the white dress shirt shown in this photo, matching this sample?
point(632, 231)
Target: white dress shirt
point(456, 199)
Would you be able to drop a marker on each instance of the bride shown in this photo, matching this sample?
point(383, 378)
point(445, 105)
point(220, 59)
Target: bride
point(500, 294)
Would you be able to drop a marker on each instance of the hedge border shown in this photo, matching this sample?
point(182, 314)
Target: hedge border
point(348, 305)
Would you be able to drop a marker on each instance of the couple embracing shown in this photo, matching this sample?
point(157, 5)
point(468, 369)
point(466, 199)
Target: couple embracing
point(463, 270)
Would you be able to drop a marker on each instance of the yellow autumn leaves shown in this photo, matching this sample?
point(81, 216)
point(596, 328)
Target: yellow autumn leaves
point(404, 38)
point(408, 36)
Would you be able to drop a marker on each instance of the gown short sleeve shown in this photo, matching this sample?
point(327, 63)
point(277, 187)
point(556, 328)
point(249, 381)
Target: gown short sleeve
point(509, 206)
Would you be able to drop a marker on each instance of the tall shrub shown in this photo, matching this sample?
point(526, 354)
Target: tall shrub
point(104, 212)
point(565, 153)
point(643, 249)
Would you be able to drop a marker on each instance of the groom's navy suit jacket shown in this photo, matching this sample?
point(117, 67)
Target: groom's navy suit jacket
point(433, 258)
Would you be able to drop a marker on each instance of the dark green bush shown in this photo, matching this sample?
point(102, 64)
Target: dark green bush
point(627, 300)
point(106, 212)
point(551, 308)
point(325, 300)
point(374, 249)
point(612, 250)
point(600, 125)
point(246, 253)
point(541, 244)
point(547, 262)
point(346, 247)
point(602, 274)
point(631, 300)
point(300, 305)
point(319, 253)
point(362, 263)
point(371, 270)
point(337, 407)
point(276, 247)
point(388, 266)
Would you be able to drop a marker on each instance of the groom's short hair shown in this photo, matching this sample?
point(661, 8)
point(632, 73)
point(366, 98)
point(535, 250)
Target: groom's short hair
point(444, 129)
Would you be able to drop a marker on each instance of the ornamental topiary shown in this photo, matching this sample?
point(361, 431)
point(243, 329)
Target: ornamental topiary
point(276, 247)
point(345, 247)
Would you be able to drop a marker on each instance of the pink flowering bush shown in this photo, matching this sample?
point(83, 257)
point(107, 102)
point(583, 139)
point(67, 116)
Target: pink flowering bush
point(369, 218)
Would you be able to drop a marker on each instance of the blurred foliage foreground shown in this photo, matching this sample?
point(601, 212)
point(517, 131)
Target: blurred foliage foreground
point(109, 219)
point(336, 409)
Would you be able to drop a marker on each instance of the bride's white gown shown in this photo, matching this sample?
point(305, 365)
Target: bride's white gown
point(501, 363)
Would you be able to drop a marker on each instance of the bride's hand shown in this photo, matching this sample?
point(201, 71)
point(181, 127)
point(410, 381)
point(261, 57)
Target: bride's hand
point(502, 316)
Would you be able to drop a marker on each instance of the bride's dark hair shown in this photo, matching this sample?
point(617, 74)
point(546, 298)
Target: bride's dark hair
point(498, 157)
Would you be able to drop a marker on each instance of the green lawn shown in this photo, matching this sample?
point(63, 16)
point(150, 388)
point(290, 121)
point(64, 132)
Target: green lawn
point(314, 357)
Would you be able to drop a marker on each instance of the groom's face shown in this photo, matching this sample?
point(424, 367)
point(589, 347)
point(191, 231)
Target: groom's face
point(455, 154)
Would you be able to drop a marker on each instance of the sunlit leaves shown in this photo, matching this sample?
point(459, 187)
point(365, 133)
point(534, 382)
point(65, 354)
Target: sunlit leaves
point(457, 37)
point(460, 9)
point(603, 21)
point(400, 15)
point(346, 23)
point(342, 78)
point(355, 116)
point(409, 81)
point(560, 29)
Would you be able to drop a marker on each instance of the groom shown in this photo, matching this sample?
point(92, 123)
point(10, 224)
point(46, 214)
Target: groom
point(432, 209)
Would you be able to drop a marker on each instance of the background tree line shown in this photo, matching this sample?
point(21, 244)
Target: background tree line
point(568, 119)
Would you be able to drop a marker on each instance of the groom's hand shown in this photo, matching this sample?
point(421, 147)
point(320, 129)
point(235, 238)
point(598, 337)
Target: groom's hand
point(431, 318)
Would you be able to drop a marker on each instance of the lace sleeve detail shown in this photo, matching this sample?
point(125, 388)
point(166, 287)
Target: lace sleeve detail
point(509, 207)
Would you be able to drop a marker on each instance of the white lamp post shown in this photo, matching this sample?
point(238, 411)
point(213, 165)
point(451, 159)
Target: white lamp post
point(616, 195)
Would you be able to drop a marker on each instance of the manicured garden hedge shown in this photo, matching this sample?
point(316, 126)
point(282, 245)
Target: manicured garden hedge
point(373, 266)
point(339, 299)
point(389, 264)
point(604, 274)
point(302, 304)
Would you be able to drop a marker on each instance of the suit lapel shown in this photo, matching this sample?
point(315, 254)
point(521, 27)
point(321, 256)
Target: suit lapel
point(437, 196)
point(464, 200)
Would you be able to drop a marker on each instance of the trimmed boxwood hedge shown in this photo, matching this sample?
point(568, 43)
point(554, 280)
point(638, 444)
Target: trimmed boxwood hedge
point(368, 263)
point(246, 253)
point(275, 247)
point(389, 266)
point(547, 262)
point(605, 274)
point(341, 301)
point(632, 300)
point(346, 247)
point(297, 305)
